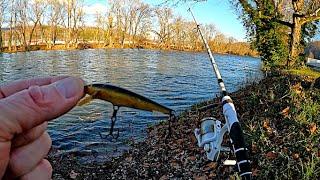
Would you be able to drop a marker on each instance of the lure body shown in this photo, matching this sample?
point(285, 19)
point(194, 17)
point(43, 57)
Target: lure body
point(122, 98)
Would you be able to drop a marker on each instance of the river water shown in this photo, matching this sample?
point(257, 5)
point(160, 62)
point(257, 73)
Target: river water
point(175, 79)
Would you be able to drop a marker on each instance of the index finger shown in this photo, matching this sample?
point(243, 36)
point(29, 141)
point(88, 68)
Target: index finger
point(30, 107)
point(16, 86)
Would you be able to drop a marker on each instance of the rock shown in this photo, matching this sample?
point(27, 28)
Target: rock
point(73, 174)
point(317, 83)
point(164, 177)
point(84, 45)
point(306, 84)
point(212, 175)
point(200, 177)
point(192, 158)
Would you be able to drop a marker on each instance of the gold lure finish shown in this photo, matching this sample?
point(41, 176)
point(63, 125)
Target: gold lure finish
point(122, 98)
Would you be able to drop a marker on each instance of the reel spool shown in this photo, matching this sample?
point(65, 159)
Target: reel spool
point(210, 136)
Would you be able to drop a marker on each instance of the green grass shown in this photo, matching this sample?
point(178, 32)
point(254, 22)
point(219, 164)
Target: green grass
point(284, 146)
point(310, 170)
point(305, 71)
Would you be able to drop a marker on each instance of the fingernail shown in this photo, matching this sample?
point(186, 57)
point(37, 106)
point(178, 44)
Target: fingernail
point(69, 87)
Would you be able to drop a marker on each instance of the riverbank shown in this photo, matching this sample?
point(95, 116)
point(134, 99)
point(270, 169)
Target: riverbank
point(237, 48)
point(280, 118)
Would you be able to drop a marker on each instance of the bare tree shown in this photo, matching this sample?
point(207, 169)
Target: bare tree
point(179, 33)
point(70, 5)
point(37, 9)
point(101, 22)
point(110, 29)
point(164, 16)
point(22, 22)
point(3, 11)
point(120, 15)
point(126, 11)
point(78, 20)
point(75, 18)
point(12, 42)
point(140, 19)
point(56, 14)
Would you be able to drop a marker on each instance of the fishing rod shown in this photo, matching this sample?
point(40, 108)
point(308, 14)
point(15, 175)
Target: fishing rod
point(210, 135)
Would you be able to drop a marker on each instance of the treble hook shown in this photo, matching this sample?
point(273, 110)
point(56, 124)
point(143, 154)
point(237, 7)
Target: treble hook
point(113, 122)
point(172, 118)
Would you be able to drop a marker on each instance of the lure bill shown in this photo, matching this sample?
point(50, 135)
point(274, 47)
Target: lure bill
point(122, 98)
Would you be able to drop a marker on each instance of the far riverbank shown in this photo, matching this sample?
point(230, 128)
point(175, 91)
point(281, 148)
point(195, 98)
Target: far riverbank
point(237, 48)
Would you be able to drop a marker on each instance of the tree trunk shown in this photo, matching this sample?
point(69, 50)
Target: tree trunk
point(10, 33)
point(32, 31)
point(15, 39)
point(10, 41)
point(295, 39)
point(122, 39)
point(24, 38)
point(0, 40)
point(110, 32)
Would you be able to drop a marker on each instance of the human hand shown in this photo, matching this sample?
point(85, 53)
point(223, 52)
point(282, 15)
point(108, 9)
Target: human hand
point(25, 108)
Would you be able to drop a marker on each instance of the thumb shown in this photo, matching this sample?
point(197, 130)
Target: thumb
point(33, 106)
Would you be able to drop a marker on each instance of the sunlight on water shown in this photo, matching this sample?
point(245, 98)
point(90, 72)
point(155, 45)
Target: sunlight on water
point(174, 79)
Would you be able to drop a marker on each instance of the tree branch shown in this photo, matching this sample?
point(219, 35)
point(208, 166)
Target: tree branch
point(247, 7)
point(315, 12)
point(312, 17)
point(285, 23)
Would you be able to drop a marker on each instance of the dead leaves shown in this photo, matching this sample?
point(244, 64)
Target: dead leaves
point(212, 165)
point(254, 148)
point(271, 155)
point(285, 111)
point(297, 88)
point(313, 128)
point(200, 177)
point(295, 156)
point(284, 150)
point(266, 126)
point(255, 172)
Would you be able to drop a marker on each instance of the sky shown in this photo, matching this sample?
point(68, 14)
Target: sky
point(218, 12)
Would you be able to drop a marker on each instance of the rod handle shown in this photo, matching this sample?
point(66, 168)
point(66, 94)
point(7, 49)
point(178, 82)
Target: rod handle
point(240, 150)
point(237, 139)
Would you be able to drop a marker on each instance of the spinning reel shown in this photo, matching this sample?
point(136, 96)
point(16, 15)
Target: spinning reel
point(210, 137)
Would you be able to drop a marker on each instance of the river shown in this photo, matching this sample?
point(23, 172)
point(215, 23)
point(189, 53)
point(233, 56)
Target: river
point(175, 79)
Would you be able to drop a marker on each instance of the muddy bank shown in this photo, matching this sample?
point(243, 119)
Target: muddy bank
point(280, 118)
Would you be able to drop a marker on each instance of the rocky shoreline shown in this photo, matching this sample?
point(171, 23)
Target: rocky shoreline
point(282, 136)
